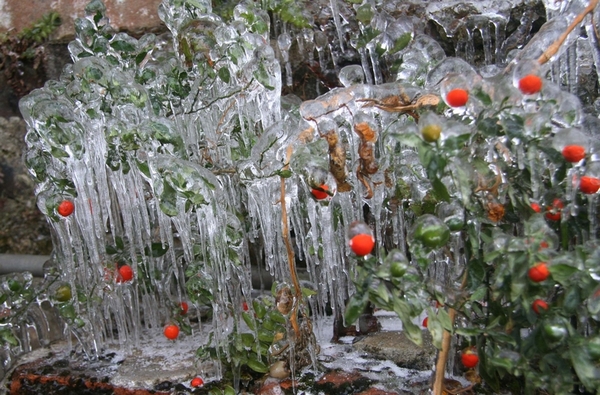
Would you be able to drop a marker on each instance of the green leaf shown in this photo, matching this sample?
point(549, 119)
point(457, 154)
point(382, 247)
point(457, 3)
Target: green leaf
point(354, 308)
point(584, 366)
point(562, 273)
point(259, 309)
point(262, 76)
point(445, 320)
point(249, 321)
point(224, 74)
point(228, 390)
point(440, 189)
point(257, 366)
point(485, 99)
point(156, 250)
point(122, 46)
point(307, 292)
point(401, 42)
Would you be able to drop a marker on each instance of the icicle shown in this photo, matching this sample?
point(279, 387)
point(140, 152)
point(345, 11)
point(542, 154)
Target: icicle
point(285, 42)
point(336, 20)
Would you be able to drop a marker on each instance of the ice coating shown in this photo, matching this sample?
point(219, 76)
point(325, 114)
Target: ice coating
point(173, 147)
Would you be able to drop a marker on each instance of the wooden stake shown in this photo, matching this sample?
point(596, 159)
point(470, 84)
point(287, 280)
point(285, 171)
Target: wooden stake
point(440, 366)
point(290, 250)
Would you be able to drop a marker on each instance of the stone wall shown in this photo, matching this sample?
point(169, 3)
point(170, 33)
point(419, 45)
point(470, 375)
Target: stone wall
point(129, 15)
point(23, 228)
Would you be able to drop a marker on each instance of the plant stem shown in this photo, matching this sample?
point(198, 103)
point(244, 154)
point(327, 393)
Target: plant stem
point(555, 46)
point(290, 250)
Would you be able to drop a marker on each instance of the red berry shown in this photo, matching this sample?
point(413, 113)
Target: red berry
point(538, 305)
point(171, 332)
point(245, 306)
point(320, 195)
point(197, 382)
point(589, 185)
point(536, 207)
point(469, 359)
point(539, 272)
point(573, 153)
point(544, 244)
point(184, 308)
point(457, 97)
point(66, 208)
point(425, 321)
point(553, 212)
point(362, 244)
point(530, 84)
point(125, 274)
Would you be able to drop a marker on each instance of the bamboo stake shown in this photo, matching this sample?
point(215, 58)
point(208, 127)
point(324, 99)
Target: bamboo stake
point(290, 250)
point(555, 46)
point(440, 366)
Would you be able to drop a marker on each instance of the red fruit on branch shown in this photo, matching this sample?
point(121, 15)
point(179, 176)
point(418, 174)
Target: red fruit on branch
point(320, 194)
point(573, 153)
point(457, 97)
point(553, 212)
point(530, 84)
point(469, 358)
point(184, 308)
point(66, 208)
point(589, 185)
point(197, 382)
point(171, 332)
point(539, 306)
point(362, 244)
point(539, 272)
point(125, 274)
point(536, 207)
point(425, 322)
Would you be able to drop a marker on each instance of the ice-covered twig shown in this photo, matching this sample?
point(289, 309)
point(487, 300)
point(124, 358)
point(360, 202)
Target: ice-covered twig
point(555, 46)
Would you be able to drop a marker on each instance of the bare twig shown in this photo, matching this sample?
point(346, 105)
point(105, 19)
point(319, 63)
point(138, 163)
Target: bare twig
point(555, 46)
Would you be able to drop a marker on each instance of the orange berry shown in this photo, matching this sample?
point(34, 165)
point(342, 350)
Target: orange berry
point(362, 244)
point(125, 274)
point(573, 153)
point(66, 208)
point(539, 272)
point(589, 185)
point(171, 332)
point(539, 306)
point(318, 194)
point(457, 97)
point(197, 382)
point(530, 84)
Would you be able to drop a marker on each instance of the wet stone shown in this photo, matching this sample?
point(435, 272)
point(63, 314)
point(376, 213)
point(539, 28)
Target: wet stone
point(396, 347)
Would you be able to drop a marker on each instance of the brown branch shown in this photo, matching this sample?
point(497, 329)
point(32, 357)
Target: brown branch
point(555, 46)
point(290, 250)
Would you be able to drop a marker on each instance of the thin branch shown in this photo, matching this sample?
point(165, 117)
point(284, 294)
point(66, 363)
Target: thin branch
point(555, 46)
